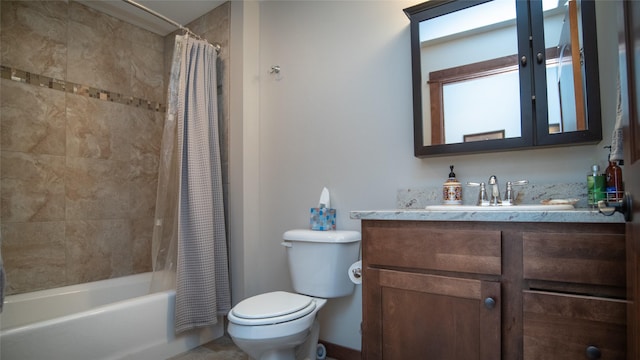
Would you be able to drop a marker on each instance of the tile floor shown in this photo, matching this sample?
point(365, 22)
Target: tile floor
point(219, 349)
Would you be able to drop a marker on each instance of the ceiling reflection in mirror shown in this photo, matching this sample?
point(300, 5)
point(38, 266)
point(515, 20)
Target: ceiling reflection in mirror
point(470, 72)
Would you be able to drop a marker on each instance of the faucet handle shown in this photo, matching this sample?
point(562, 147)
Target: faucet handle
point(483, 198)
point(519, 182)
point(508, 195)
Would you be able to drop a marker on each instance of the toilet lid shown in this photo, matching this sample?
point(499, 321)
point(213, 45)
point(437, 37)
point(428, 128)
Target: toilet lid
point(271, 308)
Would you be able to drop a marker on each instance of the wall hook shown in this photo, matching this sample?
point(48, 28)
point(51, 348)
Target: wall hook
point(275, 69)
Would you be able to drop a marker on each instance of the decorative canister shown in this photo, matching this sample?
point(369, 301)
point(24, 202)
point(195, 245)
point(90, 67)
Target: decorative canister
point(452, 190)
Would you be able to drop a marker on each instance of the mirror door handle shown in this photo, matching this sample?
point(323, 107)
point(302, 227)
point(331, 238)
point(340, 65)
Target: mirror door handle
point(523, 61)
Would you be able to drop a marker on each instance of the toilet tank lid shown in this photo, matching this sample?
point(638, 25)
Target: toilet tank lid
point(331, 236)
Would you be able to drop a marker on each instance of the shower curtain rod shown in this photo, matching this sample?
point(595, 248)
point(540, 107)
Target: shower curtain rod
point(174, 23)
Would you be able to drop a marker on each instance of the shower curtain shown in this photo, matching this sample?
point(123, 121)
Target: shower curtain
point(189, 238)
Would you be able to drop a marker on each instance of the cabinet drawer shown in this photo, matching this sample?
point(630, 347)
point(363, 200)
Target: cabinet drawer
point(434, 249)
point(565, 326)
point(584, 258)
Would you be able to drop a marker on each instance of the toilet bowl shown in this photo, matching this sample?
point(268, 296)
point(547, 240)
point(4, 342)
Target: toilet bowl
point(273, 325)
point(283, 325)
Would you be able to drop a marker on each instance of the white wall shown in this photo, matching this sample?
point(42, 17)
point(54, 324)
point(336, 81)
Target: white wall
point(340, 116)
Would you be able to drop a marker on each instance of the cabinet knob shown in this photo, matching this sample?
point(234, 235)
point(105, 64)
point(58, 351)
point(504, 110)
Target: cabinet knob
point(593, 352)
point(489, 303)
point(523, 61)
point(539, 58)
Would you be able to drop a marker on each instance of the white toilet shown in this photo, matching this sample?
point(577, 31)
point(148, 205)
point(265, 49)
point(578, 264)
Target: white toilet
point(282, 325)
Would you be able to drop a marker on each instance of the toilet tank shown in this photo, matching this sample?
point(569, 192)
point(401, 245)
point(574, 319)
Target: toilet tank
point(319, 261)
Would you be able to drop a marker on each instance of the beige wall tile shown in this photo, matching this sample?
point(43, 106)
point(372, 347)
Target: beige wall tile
point(142, 38)
point(143, 191)
point(34, 255)
point(96, 189)
point(142, 233)
point(146, 137)
point(97, 249)
point(109, 26)
point(146, 73)
point(32, 187)
point(97, 129)
point(34, 36)
point(32, 118)
point(144, 131)
point(98, 59)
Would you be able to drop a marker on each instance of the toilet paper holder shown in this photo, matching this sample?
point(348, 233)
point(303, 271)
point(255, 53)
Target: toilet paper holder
point(355, 272)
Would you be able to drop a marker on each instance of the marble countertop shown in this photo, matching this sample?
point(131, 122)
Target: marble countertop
point(579, 215)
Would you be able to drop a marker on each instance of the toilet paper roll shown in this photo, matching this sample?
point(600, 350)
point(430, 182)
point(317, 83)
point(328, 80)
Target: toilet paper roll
point(355, 272)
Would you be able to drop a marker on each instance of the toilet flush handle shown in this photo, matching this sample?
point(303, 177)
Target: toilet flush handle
point(286, 244)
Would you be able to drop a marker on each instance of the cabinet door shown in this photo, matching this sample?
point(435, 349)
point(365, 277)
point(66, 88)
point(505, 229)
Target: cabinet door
point(419, 316)
point(566, 327)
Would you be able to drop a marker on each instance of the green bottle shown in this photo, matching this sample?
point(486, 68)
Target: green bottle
point(596, 186)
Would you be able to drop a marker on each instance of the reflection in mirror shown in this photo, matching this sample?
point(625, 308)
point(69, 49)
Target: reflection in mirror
point(490, 93)
point(565, 80)
point(470, 72)
point(498, 109)
point(467, 57)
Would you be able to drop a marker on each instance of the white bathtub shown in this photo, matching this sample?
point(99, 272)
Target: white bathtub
point(109, 319)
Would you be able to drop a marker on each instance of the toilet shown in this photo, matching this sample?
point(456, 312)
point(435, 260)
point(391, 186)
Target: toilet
point(282, 325)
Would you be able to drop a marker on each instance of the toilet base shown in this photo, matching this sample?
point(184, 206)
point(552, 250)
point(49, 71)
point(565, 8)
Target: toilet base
point(266, 350)
point(281, 354)
point(308, 350)
point(301, 346)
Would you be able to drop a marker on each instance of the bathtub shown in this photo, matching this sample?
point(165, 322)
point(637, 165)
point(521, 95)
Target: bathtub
point(108, 319)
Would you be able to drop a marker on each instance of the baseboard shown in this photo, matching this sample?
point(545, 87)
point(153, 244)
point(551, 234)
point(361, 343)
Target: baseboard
point(340, 352)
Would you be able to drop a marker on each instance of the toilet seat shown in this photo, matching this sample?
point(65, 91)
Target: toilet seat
point(271, 308)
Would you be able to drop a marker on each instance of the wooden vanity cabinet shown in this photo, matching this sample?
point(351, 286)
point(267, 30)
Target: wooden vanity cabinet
point(478, 290)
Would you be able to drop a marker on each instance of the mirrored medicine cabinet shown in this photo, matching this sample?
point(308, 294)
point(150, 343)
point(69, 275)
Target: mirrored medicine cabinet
point(503, 74)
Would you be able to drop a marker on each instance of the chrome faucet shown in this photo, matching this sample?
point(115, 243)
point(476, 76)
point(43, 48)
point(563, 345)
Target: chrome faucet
point(490, 196)
point(494, 191)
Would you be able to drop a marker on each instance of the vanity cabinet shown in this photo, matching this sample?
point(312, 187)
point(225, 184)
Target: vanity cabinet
point(481, 290)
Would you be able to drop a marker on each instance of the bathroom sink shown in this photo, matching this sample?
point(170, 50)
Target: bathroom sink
point(528, 207)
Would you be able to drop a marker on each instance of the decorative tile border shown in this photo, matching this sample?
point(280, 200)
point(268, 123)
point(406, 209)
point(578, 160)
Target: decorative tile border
point(78, 89)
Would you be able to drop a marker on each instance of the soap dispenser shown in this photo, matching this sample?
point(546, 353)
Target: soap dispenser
point(596, 186)
point(452, 190)
point(613, 175)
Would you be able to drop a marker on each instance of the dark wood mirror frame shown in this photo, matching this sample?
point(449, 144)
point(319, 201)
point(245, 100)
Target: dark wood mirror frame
point(534, 119)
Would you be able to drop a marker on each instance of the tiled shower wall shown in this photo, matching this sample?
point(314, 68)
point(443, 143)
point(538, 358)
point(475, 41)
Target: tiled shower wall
point(81, 120)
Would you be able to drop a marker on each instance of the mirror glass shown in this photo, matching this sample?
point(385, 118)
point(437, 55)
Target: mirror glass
point(470, 72)
point(565, 85)
point(454, 72)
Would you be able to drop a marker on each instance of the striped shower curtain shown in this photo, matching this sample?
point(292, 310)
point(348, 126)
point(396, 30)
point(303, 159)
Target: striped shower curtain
point(189, 236)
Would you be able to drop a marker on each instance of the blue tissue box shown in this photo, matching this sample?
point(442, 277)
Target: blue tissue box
point(323, 219)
